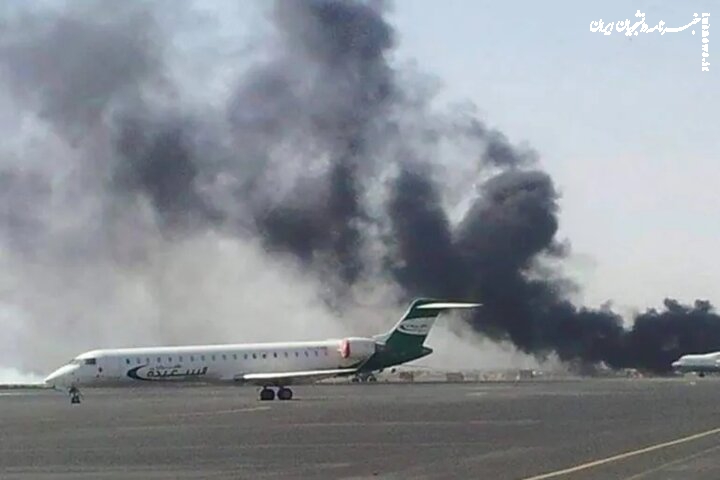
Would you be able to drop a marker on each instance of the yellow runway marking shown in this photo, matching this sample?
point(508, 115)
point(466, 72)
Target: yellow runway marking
point(623, 456)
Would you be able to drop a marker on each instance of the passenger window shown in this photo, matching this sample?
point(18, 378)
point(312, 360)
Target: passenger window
point(254, 356)
point(202, 357)
point(170, 359)
point(127, 361)
point(213, 358)
point(326, 352)
point(275, 354)
point(180, 358)
point(306, 353)
point(192, 358)
point(286, 354)
point(264, 355)
point(137, 360)
point(316, 353)
point(234, 356)
point(297, 354)
point(224, 357)
point(147, 360)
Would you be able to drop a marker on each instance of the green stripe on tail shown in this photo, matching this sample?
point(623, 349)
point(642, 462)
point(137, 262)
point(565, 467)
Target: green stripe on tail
point(412, 330)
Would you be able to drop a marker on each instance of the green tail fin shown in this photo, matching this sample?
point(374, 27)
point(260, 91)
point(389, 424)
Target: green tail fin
point(412, 330)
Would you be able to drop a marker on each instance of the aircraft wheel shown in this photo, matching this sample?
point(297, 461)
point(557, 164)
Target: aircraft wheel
point(267, 394)
point(355, 379)
point(285, 394)
point(74, 395)
point(371, 378)
point(701, 374)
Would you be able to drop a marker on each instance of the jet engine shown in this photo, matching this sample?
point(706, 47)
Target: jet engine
point(354, 349)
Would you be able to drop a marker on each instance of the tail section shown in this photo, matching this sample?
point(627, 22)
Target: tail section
point(412, 330)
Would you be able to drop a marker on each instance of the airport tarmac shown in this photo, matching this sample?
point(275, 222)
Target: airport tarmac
point(589, 429)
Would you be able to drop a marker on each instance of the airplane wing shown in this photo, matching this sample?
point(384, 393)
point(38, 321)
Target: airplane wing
point(290, 378)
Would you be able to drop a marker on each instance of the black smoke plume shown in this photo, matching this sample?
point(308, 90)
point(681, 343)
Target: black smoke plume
point(323, 150)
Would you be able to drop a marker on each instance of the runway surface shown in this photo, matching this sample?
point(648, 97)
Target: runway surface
point(591, 429)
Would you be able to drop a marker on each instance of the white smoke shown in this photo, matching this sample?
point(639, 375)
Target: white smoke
point(12, 376)
point(457, 347)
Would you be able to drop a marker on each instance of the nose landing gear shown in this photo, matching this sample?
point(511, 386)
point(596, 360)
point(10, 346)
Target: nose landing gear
point(75, 395)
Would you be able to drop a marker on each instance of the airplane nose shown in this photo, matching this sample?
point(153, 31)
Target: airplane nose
point(62, 377)
point(51, 379)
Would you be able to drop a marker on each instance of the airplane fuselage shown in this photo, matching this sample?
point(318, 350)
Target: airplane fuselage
point(700, 363)
point(209, 363)
point(264, 364)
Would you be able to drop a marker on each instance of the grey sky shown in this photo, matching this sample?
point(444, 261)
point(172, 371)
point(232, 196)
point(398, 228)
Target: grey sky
point(626, 126)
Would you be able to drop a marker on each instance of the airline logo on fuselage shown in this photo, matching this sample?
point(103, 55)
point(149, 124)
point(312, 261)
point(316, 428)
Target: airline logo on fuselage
point(165, 373)
point(416, 326)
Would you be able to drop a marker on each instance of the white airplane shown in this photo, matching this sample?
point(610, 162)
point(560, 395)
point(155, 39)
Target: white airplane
point(267, 365)
point(701, 363)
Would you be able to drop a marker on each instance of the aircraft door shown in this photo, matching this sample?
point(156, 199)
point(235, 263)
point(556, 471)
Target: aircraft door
point(104, 369)
point(100, 366)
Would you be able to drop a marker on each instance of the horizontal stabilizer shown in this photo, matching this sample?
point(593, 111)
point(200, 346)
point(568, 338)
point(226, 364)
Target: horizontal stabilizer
point(447, 305)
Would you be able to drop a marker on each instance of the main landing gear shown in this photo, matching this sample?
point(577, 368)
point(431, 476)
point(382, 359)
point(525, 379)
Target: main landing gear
point(364, 378)
point(75, 395)
point(283, 393)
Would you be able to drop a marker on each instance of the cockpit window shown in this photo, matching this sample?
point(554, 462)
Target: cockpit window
point(83, 361)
